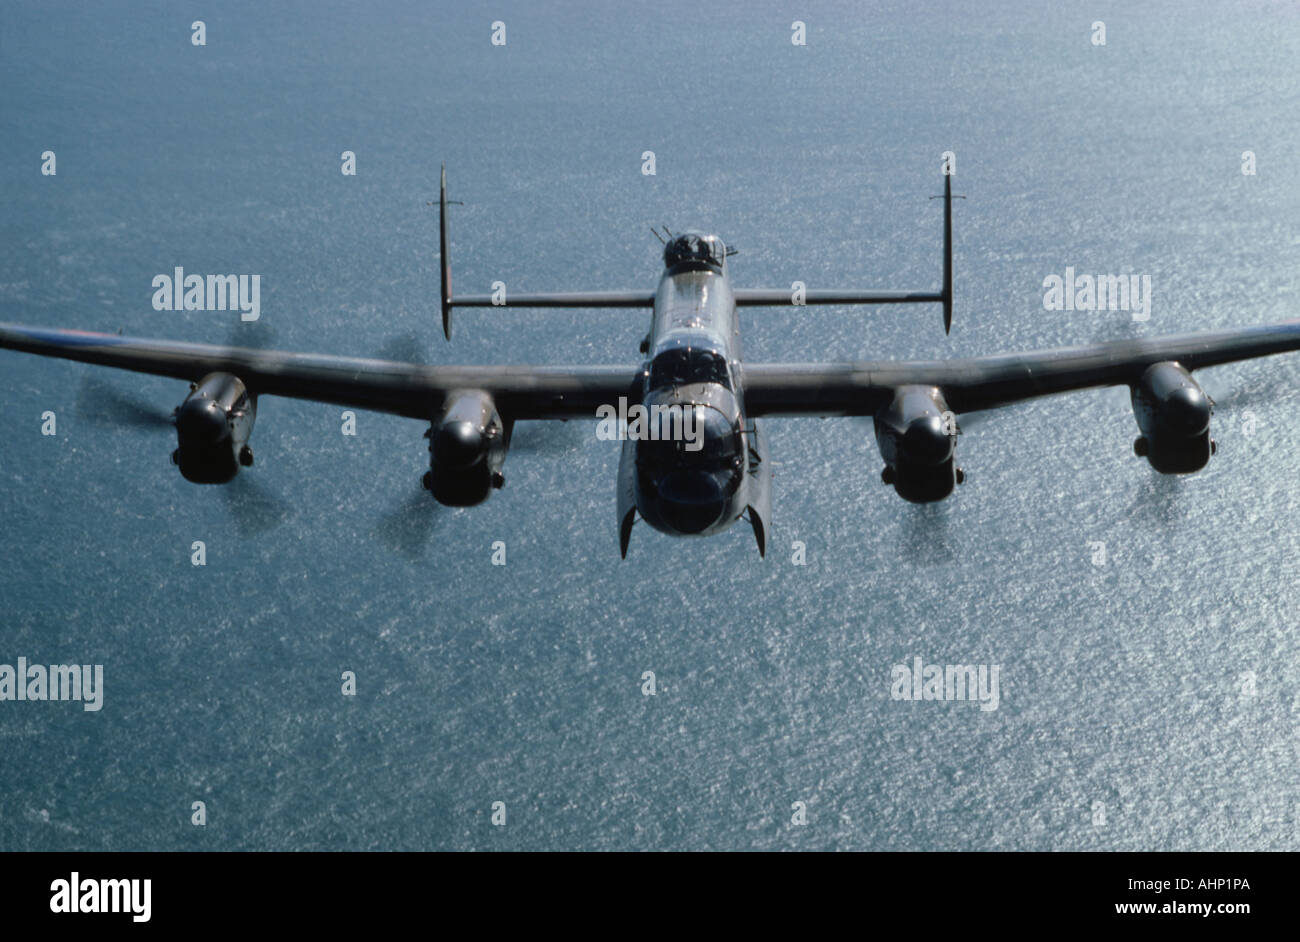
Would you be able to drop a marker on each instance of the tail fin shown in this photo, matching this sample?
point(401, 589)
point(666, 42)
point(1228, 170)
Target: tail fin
point(947, 253)
point(446, 260)
point(766, 297)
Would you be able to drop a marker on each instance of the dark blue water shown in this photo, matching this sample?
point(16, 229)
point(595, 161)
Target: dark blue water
point(1159, 689)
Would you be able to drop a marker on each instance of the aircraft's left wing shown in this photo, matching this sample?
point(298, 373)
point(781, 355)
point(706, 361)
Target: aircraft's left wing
point(407, 389)
point(987, 382)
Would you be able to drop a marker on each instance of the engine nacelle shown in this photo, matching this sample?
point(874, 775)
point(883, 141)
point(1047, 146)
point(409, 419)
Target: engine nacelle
point(917, 436)
point(467, 450)
point(212, 429)
point(1173, 413)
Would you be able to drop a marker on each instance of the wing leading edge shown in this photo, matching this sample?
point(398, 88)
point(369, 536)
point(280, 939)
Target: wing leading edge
point(988, 382)
point(406, 389)
point(531, 392)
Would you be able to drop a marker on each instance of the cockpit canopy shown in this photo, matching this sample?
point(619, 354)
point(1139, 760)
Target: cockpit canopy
point(687, 360)
point(695, 250)
point(707, 443)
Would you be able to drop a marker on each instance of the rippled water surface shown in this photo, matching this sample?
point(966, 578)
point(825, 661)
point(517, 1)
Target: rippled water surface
point(1147, 703)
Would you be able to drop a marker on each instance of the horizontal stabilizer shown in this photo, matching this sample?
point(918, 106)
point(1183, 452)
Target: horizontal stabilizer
point(558, 299)
point(782, 297)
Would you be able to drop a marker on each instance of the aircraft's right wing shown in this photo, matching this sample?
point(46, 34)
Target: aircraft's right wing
point(828, 389)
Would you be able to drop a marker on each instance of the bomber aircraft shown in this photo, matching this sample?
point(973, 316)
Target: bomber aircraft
point(692, 370)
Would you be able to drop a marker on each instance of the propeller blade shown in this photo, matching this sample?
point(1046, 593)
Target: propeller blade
point(406, 530)
point(1157, 500)
point(548, 438)
point(251, 335)
point(256, 510)
point(102, 404)
point(1258, 394)
point(403, 348)
point(925, 537)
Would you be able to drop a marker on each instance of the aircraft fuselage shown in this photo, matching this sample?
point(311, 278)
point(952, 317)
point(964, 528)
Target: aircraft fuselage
point(694, 484)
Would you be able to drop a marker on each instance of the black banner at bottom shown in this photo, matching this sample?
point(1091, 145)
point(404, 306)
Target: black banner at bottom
point(1224, 892)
